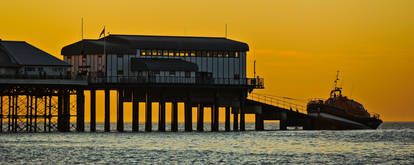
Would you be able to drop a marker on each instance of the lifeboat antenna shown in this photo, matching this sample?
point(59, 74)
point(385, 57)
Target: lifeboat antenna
point(337, 79)
point(336, 89)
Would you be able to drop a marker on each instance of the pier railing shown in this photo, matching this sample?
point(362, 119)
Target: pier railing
point(277, 101)
point(250, 82)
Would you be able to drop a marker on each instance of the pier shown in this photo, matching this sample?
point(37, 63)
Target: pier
point(200, 72)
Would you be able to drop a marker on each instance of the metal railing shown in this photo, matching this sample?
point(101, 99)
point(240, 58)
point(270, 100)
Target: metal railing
point(37, 77)
point(251, 82)
point(277, 101)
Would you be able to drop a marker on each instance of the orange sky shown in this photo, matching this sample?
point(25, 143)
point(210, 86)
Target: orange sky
point(298, 44)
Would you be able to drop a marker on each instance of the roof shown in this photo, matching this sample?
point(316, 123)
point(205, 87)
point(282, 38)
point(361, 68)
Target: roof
point(20, 53)
point(162, 64)
point(128, 44)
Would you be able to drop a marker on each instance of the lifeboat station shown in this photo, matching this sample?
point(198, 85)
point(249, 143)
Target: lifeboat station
point(40, 93)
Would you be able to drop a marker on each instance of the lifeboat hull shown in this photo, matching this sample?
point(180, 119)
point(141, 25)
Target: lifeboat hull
point(325, 117)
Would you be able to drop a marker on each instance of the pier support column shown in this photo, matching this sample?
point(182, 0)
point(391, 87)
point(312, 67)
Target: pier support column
point(60, 112)
point(135, 112)
point(215, 118)
point(242, 116)
point(212, 118)
point(107, 111)
point(283, 121)
point(45, 115)
point(227, 122)
point(200, 117)
point(9, 115)
point(120, 114)
point(93, 110)
point(174, 116)
point(65, 114)
point(161, 116)
point(1, 114)
point(27, 113)
point(148, 112)
point(15, 109)
point(235, 112)
point(80, 111)
point(49, 125)
point(259, 123)
point(188, 126)
point(35, 116)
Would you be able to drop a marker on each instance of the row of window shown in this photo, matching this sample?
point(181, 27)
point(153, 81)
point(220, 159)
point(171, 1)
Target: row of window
point(226, 54)
point(83, 60)
point(40, 69)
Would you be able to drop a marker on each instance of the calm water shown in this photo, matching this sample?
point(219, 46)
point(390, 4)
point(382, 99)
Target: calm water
point(392, 143)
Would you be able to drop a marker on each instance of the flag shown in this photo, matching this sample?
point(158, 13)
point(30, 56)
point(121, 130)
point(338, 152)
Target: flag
point(102, 33)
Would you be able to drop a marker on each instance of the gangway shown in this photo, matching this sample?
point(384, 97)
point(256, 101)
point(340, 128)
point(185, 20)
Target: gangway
point(269, 107)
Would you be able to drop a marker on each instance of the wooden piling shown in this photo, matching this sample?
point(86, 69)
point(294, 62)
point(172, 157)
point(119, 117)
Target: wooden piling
point(227, 120)
point(80, 111)
point(174, 116)
point(1, 113)
point(215, 118)
point(161, 116)
point(120, 111)
point(35, 114)
point(135, 111)
point(148, 112)
point(283, 121)
point(93, 110)
point(45, 115)
point(107, 111)
point(259, 123)
point(188, 126)
point(200, 117)
point(235, 118)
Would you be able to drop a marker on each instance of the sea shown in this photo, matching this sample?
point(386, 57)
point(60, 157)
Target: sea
point(391, 143)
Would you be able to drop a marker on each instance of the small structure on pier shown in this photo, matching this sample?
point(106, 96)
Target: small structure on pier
point(35, 89)
point(20, 59)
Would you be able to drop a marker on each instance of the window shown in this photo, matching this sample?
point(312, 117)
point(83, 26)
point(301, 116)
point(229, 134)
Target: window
point(69, 60)
point(40, 69)
point(155, 72)
point(214, 54)
point(236, 54)
point(99, 60)
point(182, 53)
point(154, 52)
point(187, 53)
point(165, 53)
point(192, 54)
point(231, 54)
point(143, 53)
point(99, 63)
point(159, 53)
point(172, 73)
point(83, 59)
point(187, 74)
point(226, 54)
point(171, 53)
point(29, 69)
point(220, 54)
point(148, 52)
point(119, 65)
